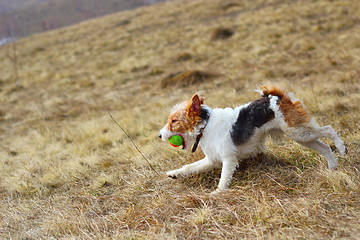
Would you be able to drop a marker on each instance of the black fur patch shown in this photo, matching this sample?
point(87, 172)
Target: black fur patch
point(204, 114)
point(251, 117)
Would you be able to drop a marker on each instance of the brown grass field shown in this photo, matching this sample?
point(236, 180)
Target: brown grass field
point(68, 172)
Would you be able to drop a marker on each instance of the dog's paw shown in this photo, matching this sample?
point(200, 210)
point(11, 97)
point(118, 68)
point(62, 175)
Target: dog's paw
point(218, 190)
point(174, 174)
point(341, 147)
point(333, 165)
point(344, 150)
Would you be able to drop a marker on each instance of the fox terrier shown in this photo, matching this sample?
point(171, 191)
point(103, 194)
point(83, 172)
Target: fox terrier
point(227, 135)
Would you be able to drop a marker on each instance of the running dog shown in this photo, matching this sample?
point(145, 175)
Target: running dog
point(227, 135)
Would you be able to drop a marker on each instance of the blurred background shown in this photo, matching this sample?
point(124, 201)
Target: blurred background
point(21, 18)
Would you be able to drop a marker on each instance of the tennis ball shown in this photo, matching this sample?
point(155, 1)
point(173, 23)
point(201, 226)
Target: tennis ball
point(176, 140)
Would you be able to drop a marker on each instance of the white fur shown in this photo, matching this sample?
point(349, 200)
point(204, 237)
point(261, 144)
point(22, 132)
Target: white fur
point(219, 148)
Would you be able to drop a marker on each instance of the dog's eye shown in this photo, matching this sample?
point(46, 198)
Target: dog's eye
point(174, 120)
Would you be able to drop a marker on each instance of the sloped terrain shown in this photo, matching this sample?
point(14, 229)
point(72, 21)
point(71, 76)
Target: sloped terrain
point(67, 170)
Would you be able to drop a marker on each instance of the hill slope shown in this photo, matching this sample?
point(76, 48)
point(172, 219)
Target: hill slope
point(68, 171)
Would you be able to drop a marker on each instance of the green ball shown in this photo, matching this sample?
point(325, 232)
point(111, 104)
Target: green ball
point(176, 140)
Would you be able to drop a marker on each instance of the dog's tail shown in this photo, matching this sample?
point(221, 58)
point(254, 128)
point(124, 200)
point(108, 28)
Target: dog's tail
point(294, 111)
point(267, 90)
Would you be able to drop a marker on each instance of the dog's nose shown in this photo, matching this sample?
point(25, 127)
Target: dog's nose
point(160, 136)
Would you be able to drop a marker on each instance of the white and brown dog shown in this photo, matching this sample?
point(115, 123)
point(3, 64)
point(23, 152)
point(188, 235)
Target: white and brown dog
point(229, 135)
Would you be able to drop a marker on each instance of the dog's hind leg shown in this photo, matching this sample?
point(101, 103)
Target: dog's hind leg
point(203, 165)
point(324, 149)
point(329, 132)
point(309, 135)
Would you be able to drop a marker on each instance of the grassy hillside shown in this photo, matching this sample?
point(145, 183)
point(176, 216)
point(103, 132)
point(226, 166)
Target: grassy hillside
point(67, 171)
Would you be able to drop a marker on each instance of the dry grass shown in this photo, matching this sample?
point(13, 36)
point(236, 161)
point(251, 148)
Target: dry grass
point(186, 78)
point(68, 172)
point(221, 33)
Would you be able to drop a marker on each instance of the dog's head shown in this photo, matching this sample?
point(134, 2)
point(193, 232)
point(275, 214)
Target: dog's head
point(182, 121)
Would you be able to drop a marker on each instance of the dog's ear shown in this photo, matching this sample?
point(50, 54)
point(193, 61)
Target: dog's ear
point(201, 99)
point(195, 104)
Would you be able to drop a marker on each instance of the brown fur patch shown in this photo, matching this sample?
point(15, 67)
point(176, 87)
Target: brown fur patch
point(272, 90)
point(185, 119)
point(295, 113)
point(178, 122)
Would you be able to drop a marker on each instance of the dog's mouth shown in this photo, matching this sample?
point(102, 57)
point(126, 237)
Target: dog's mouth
point(183, 143)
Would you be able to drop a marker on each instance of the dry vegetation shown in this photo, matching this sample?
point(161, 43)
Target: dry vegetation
point(68, 172)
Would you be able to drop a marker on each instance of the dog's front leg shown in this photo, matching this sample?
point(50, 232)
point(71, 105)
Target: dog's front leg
point(200, 166)
point(228, 168)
